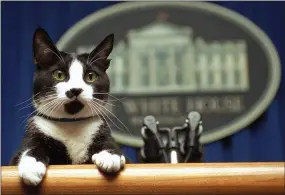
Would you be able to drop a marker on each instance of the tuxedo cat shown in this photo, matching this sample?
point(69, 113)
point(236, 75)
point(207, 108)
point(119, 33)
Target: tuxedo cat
point(69, 94)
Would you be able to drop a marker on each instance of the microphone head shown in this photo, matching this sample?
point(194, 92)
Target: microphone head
point(194, 119)
point(150, 122)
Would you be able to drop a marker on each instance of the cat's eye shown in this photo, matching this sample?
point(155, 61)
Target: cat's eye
point(90, 77)
point(58, 75)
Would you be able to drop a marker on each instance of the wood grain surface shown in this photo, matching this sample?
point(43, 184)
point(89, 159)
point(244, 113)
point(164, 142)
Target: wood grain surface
point(180, 179)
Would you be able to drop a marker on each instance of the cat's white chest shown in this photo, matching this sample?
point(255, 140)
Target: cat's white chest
point(76, 136)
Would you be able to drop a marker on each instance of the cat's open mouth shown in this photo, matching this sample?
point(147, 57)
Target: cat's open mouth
point(73, 107)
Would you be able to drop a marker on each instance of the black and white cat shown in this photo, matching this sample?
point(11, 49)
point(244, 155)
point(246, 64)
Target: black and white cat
point(70, 92)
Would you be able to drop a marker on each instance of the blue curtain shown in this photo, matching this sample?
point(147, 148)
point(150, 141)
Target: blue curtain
point(261, 141)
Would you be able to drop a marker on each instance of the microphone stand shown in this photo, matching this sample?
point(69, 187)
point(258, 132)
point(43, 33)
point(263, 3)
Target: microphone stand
point(154, 148)
point(195, 129)
point(171, 145)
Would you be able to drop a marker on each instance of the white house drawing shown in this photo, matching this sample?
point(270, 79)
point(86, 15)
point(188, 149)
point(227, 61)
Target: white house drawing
point(164, 58)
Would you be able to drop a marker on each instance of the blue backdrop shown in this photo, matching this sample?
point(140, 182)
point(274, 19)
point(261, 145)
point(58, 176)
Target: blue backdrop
point(262, 141)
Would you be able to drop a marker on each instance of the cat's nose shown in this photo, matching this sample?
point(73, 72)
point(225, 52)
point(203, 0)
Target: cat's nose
point(73, 92)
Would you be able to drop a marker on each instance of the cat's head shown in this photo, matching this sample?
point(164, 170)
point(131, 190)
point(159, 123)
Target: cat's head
point(70, 85)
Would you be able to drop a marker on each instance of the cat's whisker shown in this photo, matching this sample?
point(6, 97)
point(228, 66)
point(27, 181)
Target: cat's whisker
point(27, 117)
point(31, 103)
point(36, 110)
point(104, 113)
point(44, 105)
point(44, 111)
point(52, 108)
point(60, 58)
point(93, 111)
point(114, 116)
point(104, 102)
point(49, 94)
point(27, 106)
point(24, 106)
point(46, 96)
point(28, 99)
point(60, 55)
point(35, 95)
point(115, 100)
point(109, 95)
point(26, 103)
point(55, 108)
point(45, 101)
point(120, 100)
point(59, 102)
point(96, 60)
point(90, 108)
point(97, 53)
point(100, 113)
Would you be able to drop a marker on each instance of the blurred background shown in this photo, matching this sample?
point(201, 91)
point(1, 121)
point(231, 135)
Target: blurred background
point(262, 140)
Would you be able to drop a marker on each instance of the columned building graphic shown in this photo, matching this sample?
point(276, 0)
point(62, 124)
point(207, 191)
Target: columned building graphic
point(164, 58)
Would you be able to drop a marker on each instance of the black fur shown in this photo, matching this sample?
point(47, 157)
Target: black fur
point(47, 59)
point(53, 152)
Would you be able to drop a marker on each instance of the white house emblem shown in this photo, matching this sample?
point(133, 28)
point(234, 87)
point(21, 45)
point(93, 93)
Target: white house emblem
point(210, 60)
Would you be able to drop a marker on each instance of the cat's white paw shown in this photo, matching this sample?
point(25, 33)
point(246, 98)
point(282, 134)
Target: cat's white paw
point(108, 162)
point(31, 171)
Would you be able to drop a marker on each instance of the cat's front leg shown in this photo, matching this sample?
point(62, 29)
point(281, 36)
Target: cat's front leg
point(109, 161)
point(105, 152)
point(32, 166)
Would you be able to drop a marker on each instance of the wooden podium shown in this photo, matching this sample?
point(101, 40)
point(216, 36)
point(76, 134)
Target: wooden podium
point(164, 179)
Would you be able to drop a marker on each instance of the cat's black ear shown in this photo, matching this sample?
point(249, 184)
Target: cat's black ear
point(102, 51)
point(45, 52)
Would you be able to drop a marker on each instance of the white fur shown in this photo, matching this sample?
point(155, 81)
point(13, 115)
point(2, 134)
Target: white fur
point(108, 162)
point(75, 81)
point(30, 170)
point(76, 75)
point(76, 136)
